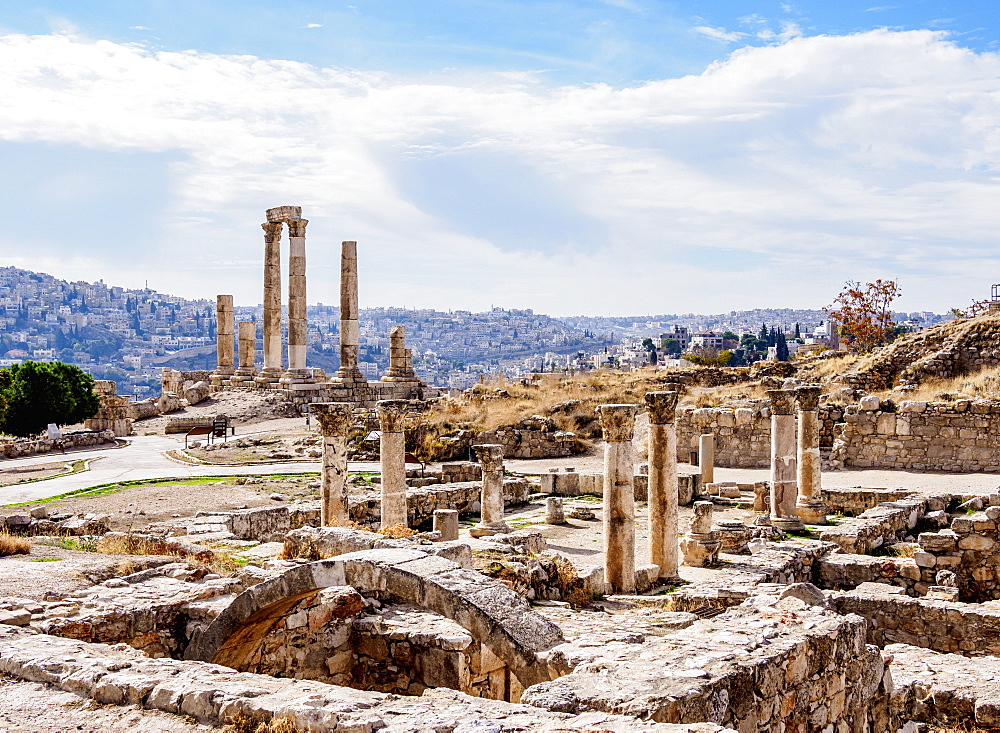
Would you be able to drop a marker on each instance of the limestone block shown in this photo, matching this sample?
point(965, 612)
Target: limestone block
point(870, 402)
point(743, 415)
point(912, 406)
point(924, 559)
point(976, 542)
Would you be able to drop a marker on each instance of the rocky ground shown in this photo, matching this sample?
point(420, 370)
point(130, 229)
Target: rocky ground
point(242, 408)
point(28, 707)
point(34, 472)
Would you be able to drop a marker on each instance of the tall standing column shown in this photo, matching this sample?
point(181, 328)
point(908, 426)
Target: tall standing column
point(297, 327)
point(349, 371)
point(392, 454)
point(663, 548)
point(491, 509)
point(223, 342)
point(618, 426)
point(272, 304)
point(783, 492)
point(334, 423)
point(810, 505)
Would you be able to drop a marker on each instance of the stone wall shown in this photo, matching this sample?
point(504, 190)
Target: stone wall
point(961, 436)
point(83, 439)
point(742, 434)
point(532, 437)
point(942, 626)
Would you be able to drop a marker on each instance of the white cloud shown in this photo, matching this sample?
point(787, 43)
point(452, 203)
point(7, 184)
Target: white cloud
point(139, 28)
point(314, 25)
point(718, 34)
point(769, 179)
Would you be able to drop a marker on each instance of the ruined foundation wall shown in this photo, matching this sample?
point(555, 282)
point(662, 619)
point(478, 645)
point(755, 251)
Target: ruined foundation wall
point(961, 436)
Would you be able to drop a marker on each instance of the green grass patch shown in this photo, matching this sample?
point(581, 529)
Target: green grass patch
point(47, 559)
point(104, 489)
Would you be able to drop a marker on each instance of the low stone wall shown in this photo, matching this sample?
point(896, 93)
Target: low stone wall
point(944, 690)
point(533, 437)
point(215, 695)
point(83, 439)
point(768, 665)
point(961, 436)
point(852, 502)
point(970, 549)
point(567, 482)
point(943, 626)
point(881, 525)
point(271, 524)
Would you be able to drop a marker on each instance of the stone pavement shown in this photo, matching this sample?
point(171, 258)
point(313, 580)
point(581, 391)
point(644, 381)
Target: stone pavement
point(142, 458)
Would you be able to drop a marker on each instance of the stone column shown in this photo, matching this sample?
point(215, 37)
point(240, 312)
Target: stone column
point(446, 522)
point(392, 454)
point(491, 511)
point(271, 372)
point(618, 426)
point(554, 510)
point(243, 377)
point(706, 458)
point(334, 423)
point(663, 548)
point(223, 342)
point(783, 493)
point(701, 546)
point(399, 370)
point(810, 505)
point(349, 371)
point(297, 293)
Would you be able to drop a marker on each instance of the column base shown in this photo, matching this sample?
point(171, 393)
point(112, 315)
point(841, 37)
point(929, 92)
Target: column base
point(486, 529)
point(349, 375)
point(298, 380)
point(243, 378)
point(219, 379)
point(268, 378)
point(786, 524)
point(812, 512)
point(700, 550)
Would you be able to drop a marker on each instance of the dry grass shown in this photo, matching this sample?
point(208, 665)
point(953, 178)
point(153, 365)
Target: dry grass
point(979, 385)
point(245, 723)
point(821, 368)
point(10, 545)
point(568, 400)
point(397, 531)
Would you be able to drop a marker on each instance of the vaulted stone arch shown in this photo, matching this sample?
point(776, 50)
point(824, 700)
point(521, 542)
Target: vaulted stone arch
point(493, 614)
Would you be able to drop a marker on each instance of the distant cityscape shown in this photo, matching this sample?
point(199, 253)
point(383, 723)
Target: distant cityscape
point(129, 335)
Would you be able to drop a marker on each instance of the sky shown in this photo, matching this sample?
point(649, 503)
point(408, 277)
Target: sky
point(601, 157)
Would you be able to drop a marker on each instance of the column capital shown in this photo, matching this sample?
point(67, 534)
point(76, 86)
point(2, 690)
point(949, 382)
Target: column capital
point(662, 407)
point(334, 417)
point(782, 401)
point(490, 457)
point(391, 415)
point(617, 422)
point(297, 227)
point(807, 397)
point(272, 231)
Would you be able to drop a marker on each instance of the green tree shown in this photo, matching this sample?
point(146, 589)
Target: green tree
point(34, 394)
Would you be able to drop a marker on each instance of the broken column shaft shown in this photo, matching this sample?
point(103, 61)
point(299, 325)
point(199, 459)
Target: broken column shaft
point(783, 462)
point(334, 423)
point(223, 342)
point(618, 426)
point(491, 503)
point(392, 454)
point(663, 548)
point(810, 506)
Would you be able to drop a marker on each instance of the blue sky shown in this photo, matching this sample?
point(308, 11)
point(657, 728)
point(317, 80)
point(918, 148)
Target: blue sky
point(576, 157)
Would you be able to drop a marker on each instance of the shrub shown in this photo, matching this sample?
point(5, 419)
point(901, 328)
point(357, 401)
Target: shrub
point(10, 545)
point(34, 394)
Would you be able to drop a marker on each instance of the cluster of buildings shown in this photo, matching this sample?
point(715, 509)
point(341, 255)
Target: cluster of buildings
point(125, 334)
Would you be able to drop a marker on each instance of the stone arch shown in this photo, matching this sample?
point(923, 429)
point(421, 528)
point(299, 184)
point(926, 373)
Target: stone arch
point(493, 614)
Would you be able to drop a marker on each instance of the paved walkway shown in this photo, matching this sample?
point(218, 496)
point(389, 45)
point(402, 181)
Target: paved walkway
point(142, 458)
